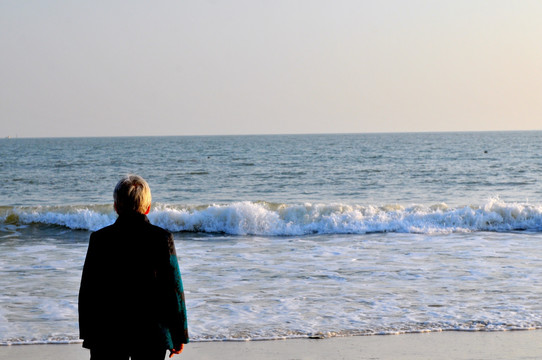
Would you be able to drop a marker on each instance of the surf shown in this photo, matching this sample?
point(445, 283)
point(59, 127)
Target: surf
point(281, 219)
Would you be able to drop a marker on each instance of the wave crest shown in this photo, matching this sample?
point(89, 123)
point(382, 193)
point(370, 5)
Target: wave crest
point(262, 218)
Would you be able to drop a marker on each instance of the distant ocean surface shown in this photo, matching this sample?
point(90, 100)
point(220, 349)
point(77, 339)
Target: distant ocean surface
point(288, 236)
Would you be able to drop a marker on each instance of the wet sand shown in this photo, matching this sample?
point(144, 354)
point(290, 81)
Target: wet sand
point(520, 345)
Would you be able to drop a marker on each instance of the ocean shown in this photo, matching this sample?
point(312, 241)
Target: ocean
point(288, 236)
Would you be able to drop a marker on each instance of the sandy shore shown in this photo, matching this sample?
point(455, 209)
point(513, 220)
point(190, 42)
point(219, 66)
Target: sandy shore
point(446, 345)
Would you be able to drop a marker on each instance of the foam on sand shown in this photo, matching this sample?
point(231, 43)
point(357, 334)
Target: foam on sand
point(518, 345)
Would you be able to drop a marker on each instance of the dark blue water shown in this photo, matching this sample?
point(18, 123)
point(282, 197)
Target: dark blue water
point(364, 169)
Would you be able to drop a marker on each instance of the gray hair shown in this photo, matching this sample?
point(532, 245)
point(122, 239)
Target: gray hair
point(132, 194)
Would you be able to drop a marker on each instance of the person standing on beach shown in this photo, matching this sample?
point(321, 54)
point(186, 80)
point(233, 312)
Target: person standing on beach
point(131, 299)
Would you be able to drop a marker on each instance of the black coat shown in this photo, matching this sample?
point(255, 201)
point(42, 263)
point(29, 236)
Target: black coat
point(131, 293)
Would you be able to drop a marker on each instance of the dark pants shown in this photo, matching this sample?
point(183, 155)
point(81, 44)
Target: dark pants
point(123, 354)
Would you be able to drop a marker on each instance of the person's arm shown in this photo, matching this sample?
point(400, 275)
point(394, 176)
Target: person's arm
point(85, 292)
point(180, 328)
point(175, 318)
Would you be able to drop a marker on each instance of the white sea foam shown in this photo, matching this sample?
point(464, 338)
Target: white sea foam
point(78, 218)
point(262, 287)
point(261, 218)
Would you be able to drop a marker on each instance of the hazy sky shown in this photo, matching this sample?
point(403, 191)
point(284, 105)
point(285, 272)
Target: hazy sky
point(99, 68)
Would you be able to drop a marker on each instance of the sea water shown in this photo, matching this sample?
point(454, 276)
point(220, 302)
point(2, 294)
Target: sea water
point(288, 235)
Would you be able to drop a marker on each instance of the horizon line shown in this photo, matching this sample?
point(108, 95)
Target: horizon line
point(10, 137)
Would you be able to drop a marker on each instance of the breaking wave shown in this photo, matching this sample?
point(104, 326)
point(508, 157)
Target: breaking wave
point(269, 219)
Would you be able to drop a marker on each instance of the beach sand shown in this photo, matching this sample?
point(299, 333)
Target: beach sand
point(520, 345)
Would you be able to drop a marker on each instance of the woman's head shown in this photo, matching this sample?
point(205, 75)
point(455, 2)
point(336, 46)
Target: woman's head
point(132, 194)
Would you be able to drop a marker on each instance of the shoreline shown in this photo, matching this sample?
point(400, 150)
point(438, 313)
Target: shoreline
point(457, 345)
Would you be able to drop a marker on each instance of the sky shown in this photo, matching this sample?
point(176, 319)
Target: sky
point(203, 67)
